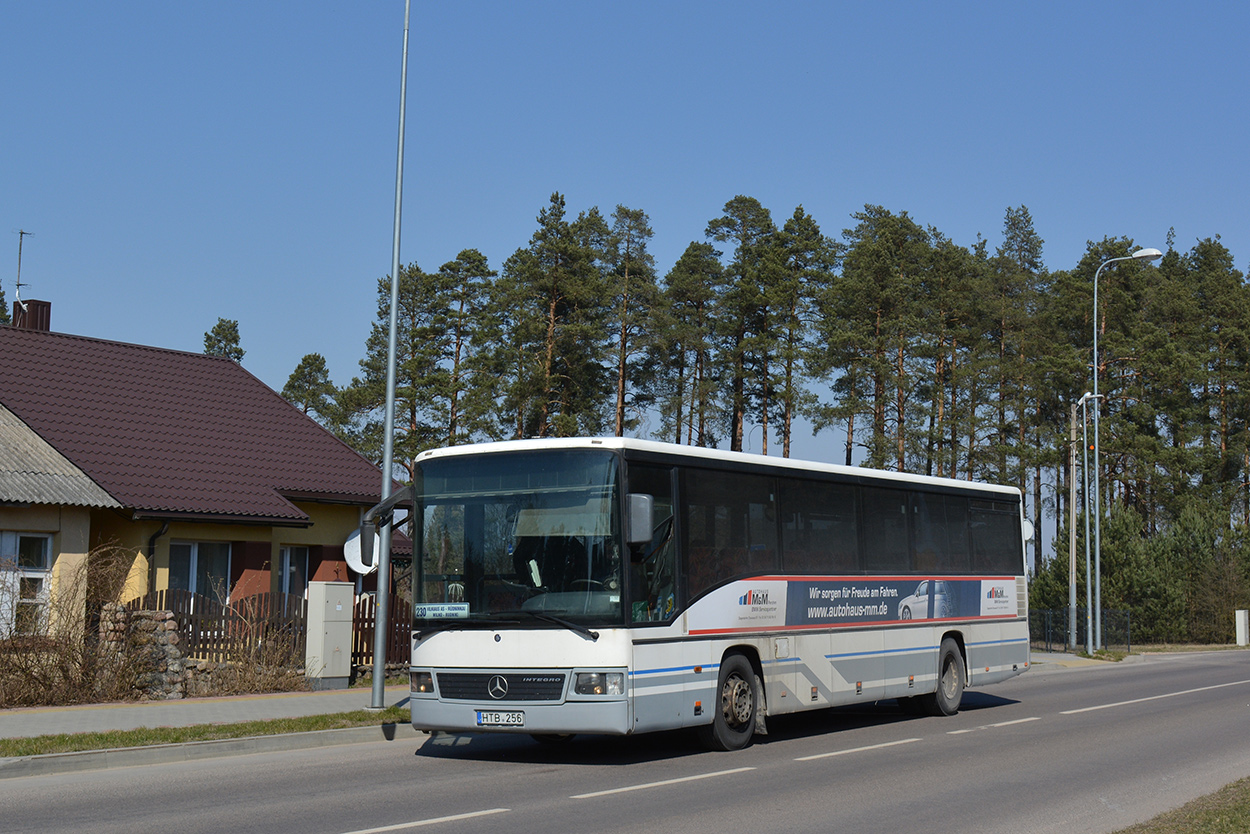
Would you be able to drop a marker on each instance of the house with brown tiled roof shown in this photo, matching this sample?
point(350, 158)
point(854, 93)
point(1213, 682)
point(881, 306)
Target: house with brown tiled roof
point(214, 482)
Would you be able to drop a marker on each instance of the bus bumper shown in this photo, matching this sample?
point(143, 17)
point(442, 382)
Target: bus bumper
point(602, 716)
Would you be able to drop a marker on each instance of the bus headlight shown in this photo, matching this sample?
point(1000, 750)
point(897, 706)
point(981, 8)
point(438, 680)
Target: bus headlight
point(600, 683)
point(421, 682)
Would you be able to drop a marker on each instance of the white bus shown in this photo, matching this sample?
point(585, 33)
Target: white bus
point(624, 586)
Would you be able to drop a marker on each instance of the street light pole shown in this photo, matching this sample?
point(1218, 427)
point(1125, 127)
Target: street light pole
point(382, 622)
point(1089, 620)
point(1139, 255)
point(1072, 528)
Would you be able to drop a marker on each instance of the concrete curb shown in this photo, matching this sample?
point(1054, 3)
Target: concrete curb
point(57, 763)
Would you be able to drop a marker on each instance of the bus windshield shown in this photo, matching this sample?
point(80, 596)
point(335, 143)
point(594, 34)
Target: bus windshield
point(518, 538)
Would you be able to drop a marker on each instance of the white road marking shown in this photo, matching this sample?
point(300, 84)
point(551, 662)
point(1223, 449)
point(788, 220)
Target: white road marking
point(1154, 697)
point(433, 821)
point(855, 750)
point(663, 783)
point(992, 726)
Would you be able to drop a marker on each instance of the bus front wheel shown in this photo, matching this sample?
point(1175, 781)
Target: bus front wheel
point(733, 714)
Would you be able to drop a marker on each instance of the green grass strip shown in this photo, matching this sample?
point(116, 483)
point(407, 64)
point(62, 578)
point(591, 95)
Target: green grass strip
point(144, 736)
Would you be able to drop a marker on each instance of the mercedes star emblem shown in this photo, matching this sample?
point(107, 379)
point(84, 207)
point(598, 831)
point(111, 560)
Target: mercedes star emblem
point(498, 687)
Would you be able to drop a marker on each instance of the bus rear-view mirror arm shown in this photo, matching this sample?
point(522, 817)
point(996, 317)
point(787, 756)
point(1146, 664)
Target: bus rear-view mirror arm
point(380, 515)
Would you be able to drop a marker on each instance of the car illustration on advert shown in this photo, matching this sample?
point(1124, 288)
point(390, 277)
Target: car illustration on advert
point(916, 606)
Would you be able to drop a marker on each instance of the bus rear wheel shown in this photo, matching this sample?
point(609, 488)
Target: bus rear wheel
point(733, 715)
point(950, 684)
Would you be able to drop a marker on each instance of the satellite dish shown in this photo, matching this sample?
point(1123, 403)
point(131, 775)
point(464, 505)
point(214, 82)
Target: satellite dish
point(355, 560)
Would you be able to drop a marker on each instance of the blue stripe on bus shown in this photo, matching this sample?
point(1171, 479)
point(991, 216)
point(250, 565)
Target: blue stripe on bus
point(882, 651)
point(671, 669)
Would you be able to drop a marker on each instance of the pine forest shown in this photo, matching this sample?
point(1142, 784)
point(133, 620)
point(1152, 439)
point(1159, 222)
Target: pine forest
point(899, 347)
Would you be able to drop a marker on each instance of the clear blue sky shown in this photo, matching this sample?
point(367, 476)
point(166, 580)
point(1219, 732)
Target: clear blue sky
point(180, 162)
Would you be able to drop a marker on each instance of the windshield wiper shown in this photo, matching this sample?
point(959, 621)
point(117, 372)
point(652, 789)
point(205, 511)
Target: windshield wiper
point(560, 621)
point(569, 624)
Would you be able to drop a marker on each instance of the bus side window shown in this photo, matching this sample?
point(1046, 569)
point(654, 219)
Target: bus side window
point(885, 531)
point(731, 527)
point(819, 527)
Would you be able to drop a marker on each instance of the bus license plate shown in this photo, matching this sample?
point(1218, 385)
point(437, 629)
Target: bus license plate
point(500, 719)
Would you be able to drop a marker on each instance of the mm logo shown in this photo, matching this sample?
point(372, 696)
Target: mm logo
point(754, 598)
point(997, 592)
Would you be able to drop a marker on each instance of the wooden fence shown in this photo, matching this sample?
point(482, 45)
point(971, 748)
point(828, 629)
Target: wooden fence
point(272, 623)
point(364, 620)
point(255, 628)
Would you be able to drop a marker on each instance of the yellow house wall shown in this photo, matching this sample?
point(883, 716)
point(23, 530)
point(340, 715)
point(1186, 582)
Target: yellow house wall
point(70, 528)
point(331, 525)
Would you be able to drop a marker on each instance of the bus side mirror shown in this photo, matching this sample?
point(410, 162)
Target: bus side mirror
point(640, 518)
point(1027, 529)
point(360, 548)
point(367, 531)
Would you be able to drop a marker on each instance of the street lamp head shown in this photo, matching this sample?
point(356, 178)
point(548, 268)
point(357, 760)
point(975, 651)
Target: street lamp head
point(1147, 255)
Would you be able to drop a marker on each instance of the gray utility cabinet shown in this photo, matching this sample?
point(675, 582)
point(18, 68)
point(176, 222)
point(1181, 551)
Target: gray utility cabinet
point(328, 658)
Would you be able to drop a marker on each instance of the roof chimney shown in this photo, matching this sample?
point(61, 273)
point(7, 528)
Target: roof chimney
point(32, 315)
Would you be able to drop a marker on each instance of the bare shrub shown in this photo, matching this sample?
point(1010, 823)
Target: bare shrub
point(265, 649)
point(57, 658)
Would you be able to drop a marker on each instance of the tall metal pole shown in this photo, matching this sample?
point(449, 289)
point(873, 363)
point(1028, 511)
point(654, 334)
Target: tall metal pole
point(1097, 494)
point(382, 622)
point(1072, 528)
point(1139, 255)
point(1089, 620)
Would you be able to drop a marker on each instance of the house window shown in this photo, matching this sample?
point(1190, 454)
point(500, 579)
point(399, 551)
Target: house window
point(25, 562)
point(201, 568)
point(293, 571)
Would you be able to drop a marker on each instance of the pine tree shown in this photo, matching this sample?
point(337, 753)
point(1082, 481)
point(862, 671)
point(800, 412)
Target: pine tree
point(420, 372)
point(806, 260)
point(689, 408)
point(309, 389)
point(550, 336)
point(743, 306)
point(223, 340)
point(636, 298)
point(469, 394)
point(872, 320)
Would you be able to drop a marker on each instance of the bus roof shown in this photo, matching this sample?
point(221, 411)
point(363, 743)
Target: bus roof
point(696, 453)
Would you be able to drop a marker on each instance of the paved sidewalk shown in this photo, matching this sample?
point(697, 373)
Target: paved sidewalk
point(39, 721)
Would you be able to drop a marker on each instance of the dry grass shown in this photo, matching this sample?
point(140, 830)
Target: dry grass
point(1227, 811)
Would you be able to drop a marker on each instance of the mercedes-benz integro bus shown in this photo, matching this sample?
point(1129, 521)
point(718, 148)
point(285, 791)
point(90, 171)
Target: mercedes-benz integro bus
point(624, 586)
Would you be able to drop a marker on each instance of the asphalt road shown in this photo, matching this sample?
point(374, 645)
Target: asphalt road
point(1065, 750)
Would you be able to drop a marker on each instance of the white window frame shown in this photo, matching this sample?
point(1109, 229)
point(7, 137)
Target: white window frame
point(193, 569)
point(300, 554)
point(14, 575)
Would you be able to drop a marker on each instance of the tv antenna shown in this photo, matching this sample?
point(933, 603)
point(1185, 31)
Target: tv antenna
point(21, 235)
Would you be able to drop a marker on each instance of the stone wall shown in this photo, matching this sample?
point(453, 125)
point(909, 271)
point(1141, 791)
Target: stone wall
point(143, 651)
point(143, 647)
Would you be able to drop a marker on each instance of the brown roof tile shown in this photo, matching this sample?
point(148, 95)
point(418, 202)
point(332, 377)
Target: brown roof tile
point(165, 431)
